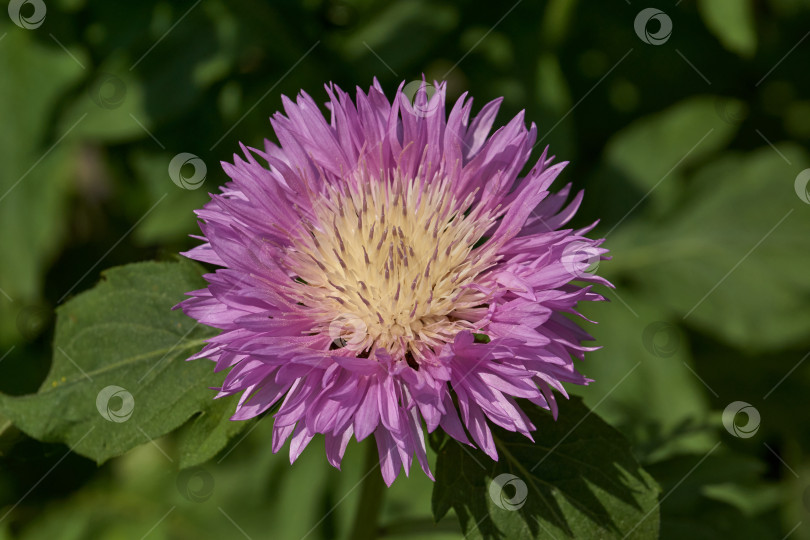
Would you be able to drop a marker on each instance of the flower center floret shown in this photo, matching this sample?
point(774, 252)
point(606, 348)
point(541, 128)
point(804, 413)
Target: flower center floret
point(389, 264)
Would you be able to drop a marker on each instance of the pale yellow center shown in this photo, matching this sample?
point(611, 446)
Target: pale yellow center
point(388, 266)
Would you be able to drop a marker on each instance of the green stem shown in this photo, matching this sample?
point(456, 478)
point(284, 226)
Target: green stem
point(367, 514)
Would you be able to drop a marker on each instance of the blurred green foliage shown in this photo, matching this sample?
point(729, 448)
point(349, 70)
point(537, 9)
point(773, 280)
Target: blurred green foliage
point(688, 151)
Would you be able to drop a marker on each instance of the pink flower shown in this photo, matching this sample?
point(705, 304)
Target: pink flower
point(387, 271)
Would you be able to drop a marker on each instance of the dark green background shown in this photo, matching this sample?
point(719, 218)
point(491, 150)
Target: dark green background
point(688, 151)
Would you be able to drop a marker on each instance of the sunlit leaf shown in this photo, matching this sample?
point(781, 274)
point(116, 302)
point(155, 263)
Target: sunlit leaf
point(119, 376)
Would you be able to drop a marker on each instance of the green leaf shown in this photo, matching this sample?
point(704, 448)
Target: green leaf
point(112, 105)
point(645, 383)
point(733, 260)
point(698, 502)
point(651, 152)
point(119, 353)
point(553, 98)
point(133, 94)
point(649, 148)
point(9, 435)
point(172, 219)
point(395, 24)
point(732, 21)
point(37, 168)
point(207, 433)
point(580, 478)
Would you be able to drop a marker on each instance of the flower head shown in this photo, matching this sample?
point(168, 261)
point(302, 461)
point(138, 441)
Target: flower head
point(388, 271)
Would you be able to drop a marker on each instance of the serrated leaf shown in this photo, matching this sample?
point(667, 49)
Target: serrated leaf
point(580, 478)
point(208, 432)
point(119, 376)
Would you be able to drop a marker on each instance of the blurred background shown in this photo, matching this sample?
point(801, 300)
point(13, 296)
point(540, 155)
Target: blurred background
point(685, 122)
